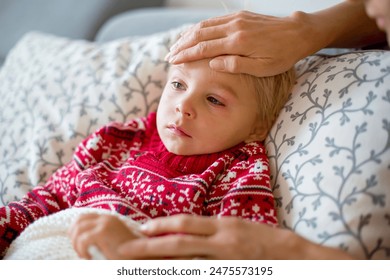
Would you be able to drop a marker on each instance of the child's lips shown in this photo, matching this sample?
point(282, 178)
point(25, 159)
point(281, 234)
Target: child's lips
point(178, 130)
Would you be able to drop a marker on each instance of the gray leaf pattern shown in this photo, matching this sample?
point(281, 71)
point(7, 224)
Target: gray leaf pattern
point(330, 152)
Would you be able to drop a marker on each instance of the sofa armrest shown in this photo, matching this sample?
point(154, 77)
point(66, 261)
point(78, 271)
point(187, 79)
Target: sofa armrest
point(72, 18)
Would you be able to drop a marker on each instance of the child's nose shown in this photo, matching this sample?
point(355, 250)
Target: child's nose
point(185, 108)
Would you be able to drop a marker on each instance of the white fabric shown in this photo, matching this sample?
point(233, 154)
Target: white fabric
point(47, 238)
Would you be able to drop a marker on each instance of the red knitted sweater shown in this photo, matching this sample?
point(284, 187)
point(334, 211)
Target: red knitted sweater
point(126, 168)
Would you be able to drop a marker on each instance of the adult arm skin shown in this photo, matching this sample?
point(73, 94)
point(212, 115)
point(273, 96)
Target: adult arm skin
point(261, 45)
point(223, 238)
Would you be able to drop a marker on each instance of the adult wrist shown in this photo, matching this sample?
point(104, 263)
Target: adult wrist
point(345, 25)
point(308, 28)
point(290, 246)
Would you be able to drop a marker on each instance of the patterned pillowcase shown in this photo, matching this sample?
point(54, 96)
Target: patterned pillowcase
point(55, 91)
point(329, 149)
point(330, 153)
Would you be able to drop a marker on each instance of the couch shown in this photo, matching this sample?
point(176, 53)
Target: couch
point(329, 149)
point(71, 18)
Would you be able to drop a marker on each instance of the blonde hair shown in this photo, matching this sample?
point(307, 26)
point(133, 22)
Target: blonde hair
point(271, 94)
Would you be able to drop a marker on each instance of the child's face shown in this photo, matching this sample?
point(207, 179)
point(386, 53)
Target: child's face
point(380, 11)
point(202, 111)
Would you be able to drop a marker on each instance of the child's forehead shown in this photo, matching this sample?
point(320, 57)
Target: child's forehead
point(199, 72)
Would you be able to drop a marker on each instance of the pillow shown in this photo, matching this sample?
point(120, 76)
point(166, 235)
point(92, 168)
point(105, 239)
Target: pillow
point(55, 91)
point(330, 153)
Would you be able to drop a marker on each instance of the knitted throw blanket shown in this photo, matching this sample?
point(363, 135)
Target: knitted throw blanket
point(47, 238)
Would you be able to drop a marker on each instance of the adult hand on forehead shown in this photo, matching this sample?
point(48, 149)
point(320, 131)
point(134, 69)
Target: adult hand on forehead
point(245, 42)
point(261, 45)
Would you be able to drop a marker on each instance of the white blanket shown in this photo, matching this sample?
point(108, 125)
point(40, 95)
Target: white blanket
point(47, 238)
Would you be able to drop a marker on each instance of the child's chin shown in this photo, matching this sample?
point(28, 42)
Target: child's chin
point(177, 151)
point(182, 151)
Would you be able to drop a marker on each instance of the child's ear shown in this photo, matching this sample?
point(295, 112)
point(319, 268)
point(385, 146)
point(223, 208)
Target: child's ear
point(259, 133)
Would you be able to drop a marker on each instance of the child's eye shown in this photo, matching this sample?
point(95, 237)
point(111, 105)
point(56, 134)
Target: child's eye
point(178, 85)
point(215, 101)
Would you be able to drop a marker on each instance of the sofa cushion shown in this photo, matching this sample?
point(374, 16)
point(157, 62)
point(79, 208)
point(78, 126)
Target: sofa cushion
point(329, 149)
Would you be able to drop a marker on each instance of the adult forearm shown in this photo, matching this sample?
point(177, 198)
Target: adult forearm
point(289, 245)
point(345, 25)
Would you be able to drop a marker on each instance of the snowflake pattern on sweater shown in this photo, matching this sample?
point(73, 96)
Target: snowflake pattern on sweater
point(126, 168)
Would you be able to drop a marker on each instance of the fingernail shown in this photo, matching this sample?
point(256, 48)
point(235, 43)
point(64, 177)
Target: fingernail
point(172, 59)
point(167, 57)
point(217, 64)
point(143, 227)
point(173, 47)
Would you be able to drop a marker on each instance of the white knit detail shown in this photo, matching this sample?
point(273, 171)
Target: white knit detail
point(47, 238)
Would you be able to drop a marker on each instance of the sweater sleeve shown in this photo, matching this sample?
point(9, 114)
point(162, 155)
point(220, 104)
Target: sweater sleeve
point(244, 189)
point(61, 190)
point(58, 193)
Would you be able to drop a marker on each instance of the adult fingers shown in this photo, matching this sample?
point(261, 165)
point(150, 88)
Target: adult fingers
point(167, 246)
point(81, 238)
point(204, 38)
point(80, 225)
point(185, 224)
point(194, 36)
point(206, 49)
point(205, 30)
point(214, 21)
point(221, 21)
point(260, 67)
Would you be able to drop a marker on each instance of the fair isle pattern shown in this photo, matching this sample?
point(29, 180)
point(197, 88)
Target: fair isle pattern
point(125, 168)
